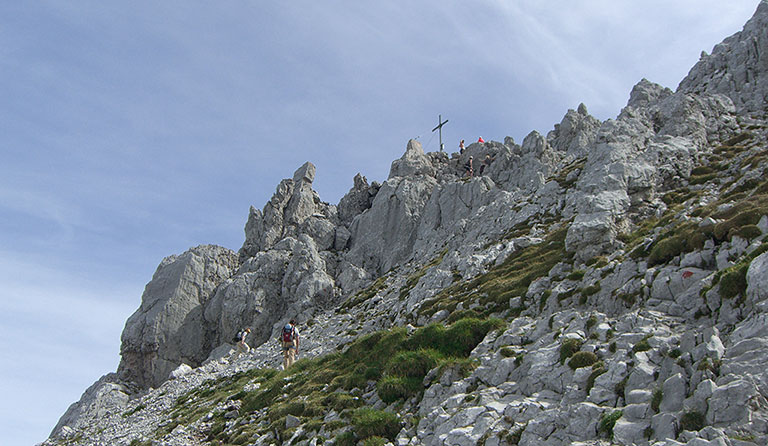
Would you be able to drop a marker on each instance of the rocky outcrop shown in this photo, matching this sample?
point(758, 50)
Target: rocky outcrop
point(384, 235)
point(292, 204)
point(166, 329)
point(737, 67)
point(357, 200)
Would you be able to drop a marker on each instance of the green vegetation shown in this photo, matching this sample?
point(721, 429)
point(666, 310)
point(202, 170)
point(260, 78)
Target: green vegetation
point(582, 359)
point(568, 347)
point(598, 369)
point(598, 262)
point(591, 322)
point(562, 178)
point(590, 290)
point(658, 395)
point(134, 410)
point(607, 421)
point(543, 300)
point(414, 278)
point(642, 345)
point(493, 289)
point(368, 422)
point(576, 275)
point(692, 421)
point(391, 360)
point(621, 386)
point(364, 295)
point(733, 280)
point(375, 441)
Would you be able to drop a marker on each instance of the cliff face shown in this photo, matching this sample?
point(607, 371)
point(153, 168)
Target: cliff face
point(621, 263)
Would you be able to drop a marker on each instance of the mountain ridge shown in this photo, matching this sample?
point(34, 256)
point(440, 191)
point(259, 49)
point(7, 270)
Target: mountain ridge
point(637, 242)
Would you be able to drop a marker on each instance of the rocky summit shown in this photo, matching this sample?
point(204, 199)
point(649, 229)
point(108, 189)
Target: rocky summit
point(606, 283)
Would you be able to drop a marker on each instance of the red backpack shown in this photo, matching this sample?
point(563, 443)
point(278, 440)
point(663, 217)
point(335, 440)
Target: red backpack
point(288, 333)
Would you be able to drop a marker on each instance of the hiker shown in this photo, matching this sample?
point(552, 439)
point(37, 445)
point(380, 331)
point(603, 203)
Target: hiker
point(486, 163)
point(240, 345)
point(289, 338)
point(480, 139)
point(461, 147)
point(468, 168)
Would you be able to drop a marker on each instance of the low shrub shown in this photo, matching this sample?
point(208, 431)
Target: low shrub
point(591, 322)
point(582, 359)
point(507, 352)
point(568, 348)
point(345, 439)
point(733, 281)
point(590, 290)
point(368, 422)
point(642, 346)
point(665, 250)
point(459, 339)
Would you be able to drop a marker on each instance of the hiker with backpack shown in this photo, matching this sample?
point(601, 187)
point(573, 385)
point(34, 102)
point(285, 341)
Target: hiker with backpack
point(468, 169)
point(289, 339)
point(240, 345)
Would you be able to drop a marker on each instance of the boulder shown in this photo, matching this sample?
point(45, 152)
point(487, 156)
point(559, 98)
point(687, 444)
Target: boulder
point(414, 162)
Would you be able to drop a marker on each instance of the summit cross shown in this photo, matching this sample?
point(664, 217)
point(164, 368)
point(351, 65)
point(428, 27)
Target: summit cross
point(440, 124)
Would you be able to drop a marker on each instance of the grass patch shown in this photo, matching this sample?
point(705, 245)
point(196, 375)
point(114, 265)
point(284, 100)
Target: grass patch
point(368, 422)
point(134, 410)
point(591, 322)
point(562, 178)
point(607, 422)
point(393, 388)
point(658, 395)
point(642, 345)
point(512, 278)
point(414, 278)
point(364, 295)
point(395, 362)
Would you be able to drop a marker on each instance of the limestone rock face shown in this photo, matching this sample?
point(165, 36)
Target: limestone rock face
point(251, 298)
point(166, 329)
point(384, 235)
point(737, 67)
point(757, 283)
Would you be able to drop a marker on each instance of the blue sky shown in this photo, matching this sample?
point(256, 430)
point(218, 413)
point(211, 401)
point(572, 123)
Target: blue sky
point(130, 131)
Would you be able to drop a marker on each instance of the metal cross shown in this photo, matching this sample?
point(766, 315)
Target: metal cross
point(440, 124)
